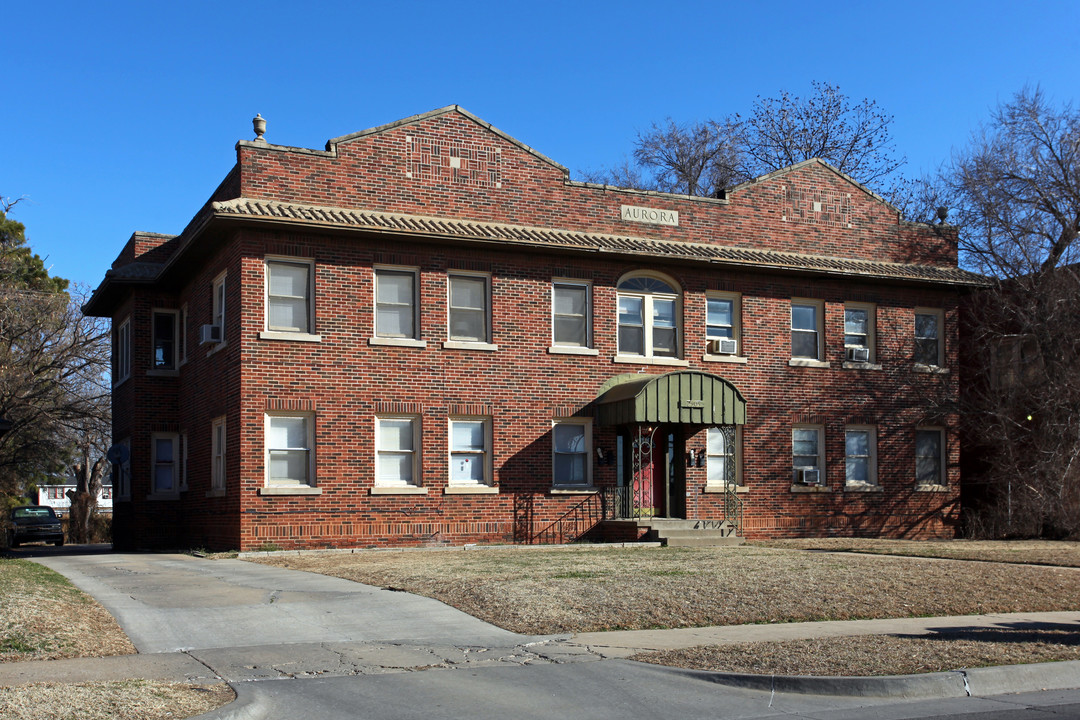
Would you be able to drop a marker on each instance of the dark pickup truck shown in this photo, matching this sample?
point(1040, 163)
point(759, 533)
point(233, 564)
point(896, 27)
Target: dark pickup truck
point(34, 523)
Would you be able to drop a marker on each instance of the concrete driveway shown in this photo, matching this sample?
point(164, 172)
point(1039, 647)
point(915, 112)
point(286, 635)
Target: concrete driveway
point(354, 651)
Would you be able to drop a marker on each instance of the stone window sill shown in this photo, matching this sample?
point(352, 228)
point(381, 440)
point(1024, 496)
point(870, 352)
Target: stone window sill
point(931, 488)
point(293, 336)
point(810, 489)
point(733, 359)
point(162, 373)
point(158, 497)
point(809, 362)
point(397, 342)
point(863, 488)
point(852, 365)
point(711, 489)
point(931, 369)
point(216, 492)
point(463, 345)
point(572, 350)
point(471, 490)
point(286, 490)
point(218, 347)
point(643, 360)
point(581, 490)
point(402, 490)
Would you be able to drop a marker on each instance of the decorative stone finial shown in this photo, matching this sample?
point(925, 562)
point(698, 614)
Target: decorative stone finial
point(260, 127)
point(942, 213)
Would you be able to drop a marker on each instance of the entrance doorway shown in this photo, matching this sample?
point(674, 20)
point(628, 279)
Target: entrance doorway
point(652, 470)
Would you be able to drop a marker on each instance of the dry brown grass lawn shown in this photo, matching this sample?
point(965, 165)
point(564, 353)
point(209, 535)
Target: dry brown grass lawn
point(44, 617)
point(589, 589)
point(1027, 552)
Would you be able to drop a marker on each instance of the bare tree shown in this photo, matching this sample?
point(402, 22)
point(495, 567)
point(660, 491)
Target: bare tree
point(54, 379)
point(853, 137)
point(706, 157)
point(1015, 196)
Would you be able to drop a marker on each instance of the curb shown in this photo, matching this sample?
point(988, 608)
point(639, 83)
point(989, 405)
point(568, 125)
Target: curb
point(974, 682)
point(246, 706)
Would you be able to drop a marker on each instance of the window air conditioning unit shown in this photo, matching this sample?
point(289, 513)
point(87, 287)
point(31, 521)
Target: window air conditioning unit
point(210, 334)
point(808, 475)
point(858, 354)
point(723, 346)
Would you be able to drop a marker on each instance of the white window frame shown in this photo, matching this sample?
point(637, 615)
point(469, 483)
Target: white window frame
point(462, 341)
point(183, 462)
point(414, 453)
point(218, 309)
point(942, 455)
point(122, 351)
point(736, 317)
point(174, 464)
point(283, 333)
point(871, 328)
point(173, 362)
point(218, 456)
point(586, 318)
point(820, 462)
point(871, 457)
point(735, 456)
point(483, 456)
point(380, 336)
point(183, 333)
point(309, 439)
point(586, 425)
point(818, 307)
point(122, 483)
point(939, 314)
point(647, 316)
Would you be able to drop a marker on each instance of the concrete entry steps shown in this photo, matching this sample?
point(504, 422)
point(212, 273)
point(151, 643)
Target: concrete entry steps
point(689, 533)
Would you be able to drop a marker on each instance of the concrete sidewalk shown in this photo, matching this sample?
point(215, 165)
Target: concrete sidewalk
point(336, 659)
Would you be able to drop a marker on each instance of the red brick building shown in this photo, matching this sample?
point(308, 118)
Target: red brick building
point(427, 333)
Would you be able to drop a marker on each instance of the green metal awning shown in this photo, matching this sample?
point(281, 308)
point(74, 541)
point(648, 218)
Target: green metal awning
point(688, 397)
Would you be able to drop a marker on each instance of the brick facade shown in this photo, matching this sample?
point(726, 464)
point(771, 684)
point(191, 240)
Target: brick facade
point(445, 195)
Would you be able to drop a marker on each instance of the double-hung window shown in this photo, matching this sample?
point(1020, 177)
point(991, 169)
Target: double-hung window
point(929, 349)
point(166, 462)
point(217, 456)
point(122, 352)
point(288, 296)
point(860, 456)
point(470, 451)
point(470, 308)
point(648, 317)
point(289, 455)
point(722, 457)
point(397, 442)
point(722, 323)
point(807, 454)
point(570, 314)
point(395, 304)
point(929, 456)
point(806, 322)
point(571, 445)
point(166, 347)
point(859, 332)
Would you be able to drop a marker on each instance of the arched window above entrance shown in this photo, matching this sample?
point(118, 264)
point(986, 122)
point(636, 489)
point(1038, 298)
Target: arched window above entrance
point(649, 315)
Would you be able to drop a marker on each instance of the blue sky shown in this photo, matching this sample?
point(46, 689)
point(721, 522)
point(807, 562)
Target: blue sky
point(123, 116)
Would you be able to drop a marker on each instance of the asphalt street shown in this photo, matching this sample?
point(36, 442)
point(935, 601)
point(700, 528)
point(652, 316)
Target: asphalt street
point(299, 644)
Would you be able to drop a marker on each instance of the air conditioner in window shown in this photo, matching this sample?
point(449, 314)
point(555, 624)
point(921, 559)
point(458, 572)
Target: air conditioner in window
point(210, 334)
point(858, 354)
point(722, 346)
point(808, 475)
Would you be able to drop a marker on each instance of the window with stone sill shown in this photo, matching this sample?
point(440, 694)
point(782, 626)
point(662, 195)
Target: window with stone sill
point(648, 316)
